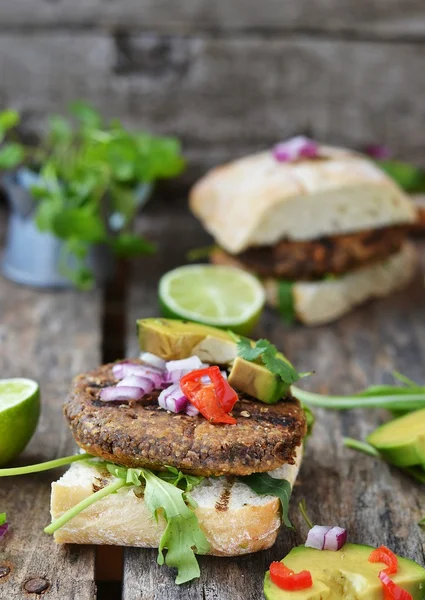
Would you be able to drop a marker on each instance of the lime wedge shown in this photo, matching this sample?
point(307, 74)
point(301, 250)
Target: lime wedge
point(19, 412)
point(214, 295)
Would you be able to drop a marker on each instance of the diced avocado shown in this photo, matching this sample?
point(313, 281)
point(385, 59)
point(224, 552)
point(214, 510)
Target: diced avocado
point(345, 575)
point(402, 440)
point(172, 339)
point(257, 381)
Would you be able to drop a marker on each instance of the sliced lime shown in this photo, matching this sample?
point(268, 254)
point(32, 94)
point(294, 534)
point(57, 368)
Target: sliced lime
point(213, 295)
point(19, 412)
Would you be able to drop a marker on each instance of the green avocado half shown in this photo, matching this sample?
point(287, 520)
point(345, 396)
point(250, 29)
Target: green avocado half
point(345, 575)
point(172, 339)
point(402, 441)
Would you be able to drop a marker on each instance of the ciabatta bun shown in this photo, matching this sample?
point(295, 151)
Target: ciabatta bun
point(234, 519)
point(257, 200)
point(318, 302)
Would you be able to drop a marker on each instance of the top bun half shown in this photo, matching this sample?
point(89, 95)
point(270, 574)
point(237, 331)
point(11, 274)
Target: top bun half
point(256, 200)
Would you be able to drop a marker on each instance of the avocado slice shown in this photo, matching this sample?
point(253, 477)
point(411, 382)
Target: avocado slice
point(346, 575)
point(172, 339)
point(402, 441)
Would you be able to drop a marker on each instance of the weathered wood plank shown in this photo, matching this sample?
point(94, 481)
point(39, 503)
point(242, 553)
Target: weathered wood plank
point(224, 97)
point(375, 502)
point(365, 18)
point(48, 337)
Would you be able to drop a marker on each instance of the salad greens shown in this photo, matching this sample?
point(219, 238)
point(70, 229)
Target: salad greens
point(303, 510)
point(265, 485)
point(165, 493)
point(88, 177)
point(3, 518)
point(266, 353)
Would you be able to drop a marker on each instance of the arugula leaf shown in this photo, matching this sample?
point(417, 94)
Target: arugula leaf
point(421, 523)
point(265, 485)
point(310, 420)
point(11, 155)
point(179, 479)
point(3, 518)
point(286, 306)
point(128, 244)
point(408, 176)
point(303, 510)
point(182, 533)
point(8, 118)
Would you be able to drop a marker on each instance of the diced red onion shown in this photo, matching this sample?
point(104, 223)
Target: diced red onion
point(142, 371)
point(172, 399)
point(335, 539)
point(296, 148)
point(117, 369)
point(191, 410)
point(3, 529)
point(326, 538)
point(123, 393)
point(143, 383)
point(186, 364)
point(378, 151)
point(153, 360)
point(316, 537)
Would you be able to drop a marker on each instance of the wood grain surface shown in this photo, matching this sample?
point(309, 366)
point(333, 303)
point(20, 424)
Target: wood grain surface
point(49, 337)
point(375, 502)
point(376, 18)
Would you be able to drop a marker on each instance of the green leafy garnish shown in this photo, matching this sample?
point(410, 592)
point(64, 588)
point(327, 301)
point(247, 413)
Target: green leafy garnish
point(285, 302)
point(165, 493)
point(408, 176)
point(265, 485)
point(266, 353)
point(3, 518)
point(310, 420)
point(397, 398)
point(421, 523)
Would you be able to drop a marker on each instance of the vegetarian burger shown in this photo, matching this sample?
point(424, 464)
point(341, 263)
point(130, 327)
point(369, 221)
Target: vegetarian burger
point(192, 448)
point(323, 227)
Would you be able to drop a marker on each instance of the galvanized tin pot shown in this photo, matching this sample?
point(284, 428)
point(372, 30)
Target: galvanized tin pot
point(31, 256)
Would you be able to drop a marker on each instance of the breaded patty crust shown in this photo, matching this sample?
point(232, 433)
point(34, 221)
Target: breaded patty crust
point(315, 259)
point(141, 434)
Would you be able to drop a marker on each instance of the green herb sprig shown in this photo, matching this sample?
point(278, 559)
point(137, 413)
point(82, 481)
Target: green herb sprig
point(89, 171)
point(266, 353)
point(3, 518)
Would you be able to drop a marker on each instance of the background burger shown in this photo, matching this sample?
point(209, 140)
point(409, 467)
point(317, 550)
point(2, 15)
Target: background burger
point(323, 227)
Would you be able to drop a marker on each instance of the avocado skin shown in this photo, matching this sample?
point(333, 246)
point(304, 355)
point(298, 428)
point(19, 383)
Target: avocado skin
point(399, 449)
point(331, 570)
point(172, 339)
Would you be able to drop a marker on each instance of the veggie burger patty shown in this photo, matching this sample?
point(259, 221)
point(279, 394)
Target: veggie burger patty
point(317, 258)
point(141, 434)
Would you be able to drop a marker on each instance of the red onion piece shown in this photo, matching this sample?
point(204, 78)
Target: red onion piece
point(316, 537)
point(142, 383)
point(123, 393)
point(191, 410)
point(172, 399)
point(141, 371)
point(335, 539)
point(296, 148)
point(324, 537)
point(3, 529)
point(186, 364)
point(378, 151)
point(152, 360)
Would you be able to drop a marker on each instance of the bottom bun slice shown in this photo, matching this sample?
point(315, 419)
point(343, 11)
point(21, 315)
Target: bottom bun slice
point(233, 518)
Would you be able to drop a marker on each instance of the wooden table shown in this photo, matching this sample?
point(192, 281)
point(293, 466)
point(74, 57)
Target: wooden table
point(52, 336)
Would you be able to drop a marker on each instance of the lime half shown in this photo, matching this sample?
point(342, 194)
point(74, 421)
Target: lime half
point(19, 412)
point(215, 295)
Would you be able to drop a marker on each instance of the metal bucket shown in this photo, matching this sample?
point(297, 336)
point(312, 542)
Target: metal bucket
point(32, 257)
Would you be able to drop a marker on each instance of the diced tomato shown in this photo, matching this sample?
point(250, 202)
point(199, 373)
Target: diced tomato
point(386, 556)
point(286, 579)
point(206, 397)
